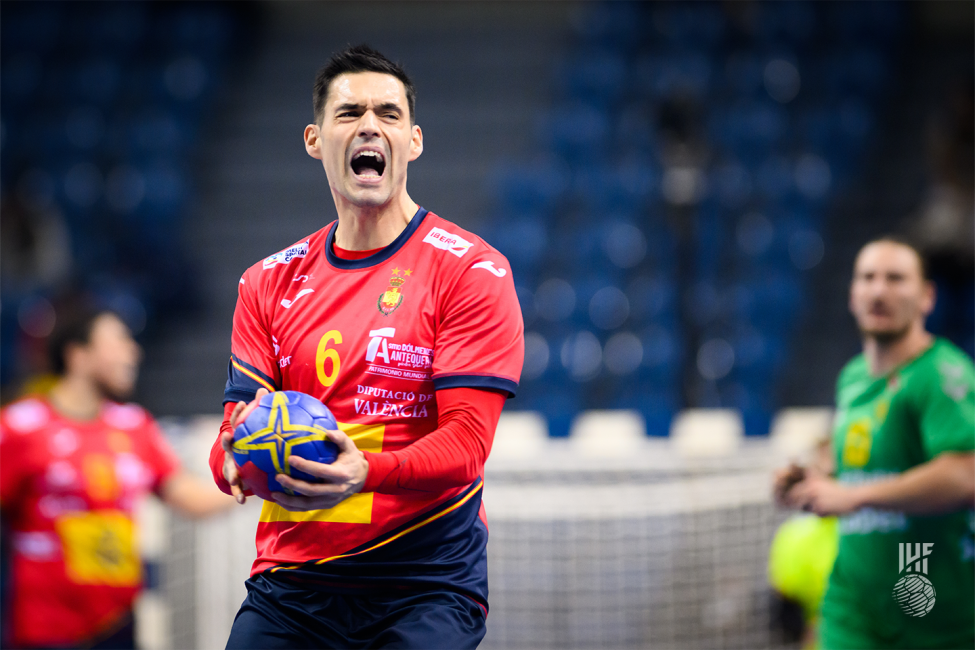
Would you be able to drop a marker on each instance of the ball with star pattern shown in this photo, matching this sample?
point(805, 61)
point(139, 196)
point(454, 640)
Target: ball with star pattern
point(284, 424)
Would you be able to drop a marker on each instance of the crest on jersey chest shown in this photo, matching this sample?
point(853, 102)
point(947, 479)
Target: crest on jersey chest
point(390, 300)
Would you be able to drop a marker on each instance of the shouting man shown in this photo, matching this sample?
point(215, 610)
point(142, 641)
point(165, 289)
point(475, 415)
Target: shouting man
point(408, 328)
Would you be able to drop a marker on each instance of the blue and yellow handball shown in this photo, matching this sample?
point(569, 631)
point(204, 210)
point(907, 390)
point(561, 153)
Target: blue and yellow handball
point(284, 424)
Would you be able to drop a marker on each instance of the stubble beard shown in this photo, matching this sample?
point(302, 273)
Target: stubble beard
point(111, 393)
point(888, 337)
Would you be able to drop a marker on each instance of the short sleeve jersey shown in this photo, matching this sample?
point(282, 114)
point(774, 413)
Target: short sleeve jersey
point(885, 426)
point(68, 491)
point(374, 339)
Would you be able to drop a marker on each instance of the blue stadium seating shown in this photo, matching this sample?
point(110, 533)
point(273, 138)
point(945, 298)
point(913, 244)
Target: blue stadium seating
point(728, 263)
point(104, 101)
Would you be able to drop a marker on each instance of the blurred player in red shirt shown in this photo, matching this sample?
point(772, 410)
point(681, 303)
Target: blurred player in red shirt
point(408, 328)
point(73, 465)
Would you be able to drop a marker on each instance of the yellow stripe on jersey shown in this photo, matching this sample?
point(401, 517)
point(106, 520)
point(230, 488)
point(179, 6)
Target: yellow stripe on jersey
point(423, 523)
point(253, 376)
point(357, 509)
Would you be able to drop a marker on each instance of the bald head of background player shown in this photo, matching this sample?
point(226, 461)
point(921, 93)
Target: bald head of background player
point(890, 298)
point(365, 134)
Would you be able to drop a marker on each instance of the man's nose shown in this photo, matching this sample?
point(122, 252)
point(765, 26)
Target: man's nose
point(879, 287)
point(368, 124)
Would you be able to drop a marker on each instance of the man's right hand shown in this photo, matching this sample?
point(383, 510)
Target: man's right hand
point(785, 480)
point(238, 415)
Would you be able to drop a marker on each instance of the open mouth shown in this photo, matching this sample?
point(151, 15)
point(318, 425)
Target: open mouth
point(367, 164)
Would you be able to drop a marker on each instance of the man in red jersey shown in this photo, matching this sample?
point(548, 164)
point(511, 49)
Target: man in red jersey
point(73, 465)
point(409, 329)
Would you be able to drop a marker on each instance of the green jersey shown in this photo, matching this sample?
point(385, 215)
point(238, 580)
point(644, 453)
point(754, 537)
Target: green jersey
point(903, 581)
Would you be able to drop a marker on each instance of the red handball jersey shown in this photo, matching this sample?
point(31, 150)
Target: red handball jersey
point(374, 339)
point(68, 491)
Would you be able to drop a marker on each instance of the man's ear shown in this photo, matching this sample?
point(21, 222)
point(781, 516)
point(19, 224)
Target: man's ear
point(928, 298)
point(313, 141)
point(416, 144)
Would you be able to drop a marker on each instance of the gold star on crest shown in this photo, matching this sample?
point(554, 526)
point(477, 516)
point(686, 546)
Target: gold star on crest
point(395, 271)
point(408, 273)
point(279, 436)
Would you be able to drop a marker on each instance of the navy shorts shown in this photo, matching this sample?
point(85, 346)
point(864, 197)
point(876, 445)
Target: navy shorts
point(278, 614)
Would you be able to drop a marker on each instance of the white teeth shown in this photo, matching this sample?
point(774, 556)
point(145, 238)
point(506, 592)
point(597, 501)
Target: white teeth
point(374, 154)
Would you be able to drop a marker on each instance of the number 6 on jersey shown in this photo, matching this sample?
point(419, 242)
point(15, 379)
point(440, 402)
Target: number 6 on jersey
point(324, 354)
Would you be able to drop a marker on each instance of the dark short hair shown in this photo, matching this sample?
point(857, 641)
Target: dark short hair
point(73, 326)
point(901, 240)
point(359, 58)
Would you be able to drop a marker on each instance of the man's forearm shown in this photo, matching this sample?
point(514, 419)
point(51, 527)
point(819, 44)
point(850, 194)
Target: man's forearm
point(943, 484)
point(193, 497)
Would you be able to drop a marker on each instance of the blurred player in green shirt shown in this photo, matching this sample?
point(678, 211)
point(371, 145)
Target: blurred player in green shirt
point(905, 483)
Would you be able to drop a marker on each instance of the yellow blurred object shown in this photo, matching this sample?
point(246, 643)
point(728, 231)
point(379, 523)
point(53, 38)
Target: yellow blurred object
point(38, 385)
point(801, 559)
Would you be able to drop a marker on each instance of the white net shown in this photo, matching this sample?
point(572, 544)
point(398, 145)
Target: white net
point(628, 559)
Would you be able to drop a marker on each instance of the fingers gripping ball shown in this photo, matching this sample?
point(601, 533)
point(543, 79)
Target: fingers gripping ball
point(284, 424)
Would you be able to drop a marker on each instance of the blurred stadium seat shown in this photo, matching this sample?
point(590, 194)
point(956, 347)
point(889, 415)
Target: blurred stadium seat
point(767, 131)
point(102, 107)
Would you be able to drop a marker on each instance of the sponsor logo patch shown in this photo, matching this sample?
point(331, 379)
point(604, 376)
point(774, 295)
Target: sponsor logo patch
point(26, 416)
point(288, 254)
point(124, 416)
point(397, 360)
point(455, 244)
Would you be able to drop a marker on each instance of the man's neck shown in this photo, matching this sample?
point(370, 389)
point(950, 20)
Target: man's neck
point(76, 398)
point(363, 229)
point(885, 356)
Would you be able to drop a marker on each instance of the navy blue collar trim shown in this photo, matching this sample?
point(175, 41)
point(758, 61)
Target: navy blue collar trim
point(375, 258)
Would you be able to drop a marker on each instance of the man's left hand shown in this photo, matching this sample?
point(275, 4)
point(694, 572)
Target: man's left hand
point(824, 496)
point(340, 479)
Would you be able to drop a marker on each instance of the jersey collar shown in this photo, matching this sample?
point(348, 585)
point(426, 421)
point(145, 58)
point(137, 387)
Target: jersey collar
point(376, 258)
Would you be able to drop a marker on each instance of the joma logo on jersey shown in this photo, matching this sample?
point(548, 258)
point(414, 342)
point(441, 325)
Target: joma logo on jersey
point(288, 254)
point(445, 241)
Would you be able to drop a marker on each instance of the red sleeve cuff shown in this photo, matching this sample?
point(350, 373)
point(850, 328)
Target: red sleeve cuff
point(380, 467)
point(217, 454)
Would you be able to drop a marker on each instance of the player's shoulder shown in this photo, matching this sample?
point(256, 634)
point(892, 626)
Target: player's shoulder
point(855, 370)
point(283, 261)
point(25, 416)
point(946, 353)
point(127, 417)
point(458, 247)
point(944, 367)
